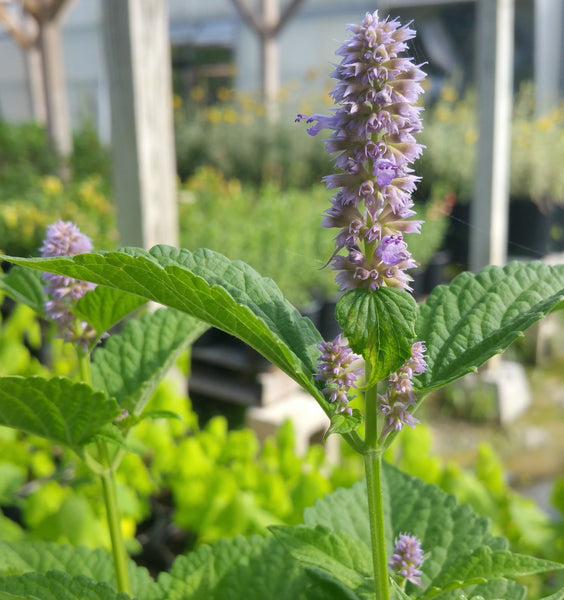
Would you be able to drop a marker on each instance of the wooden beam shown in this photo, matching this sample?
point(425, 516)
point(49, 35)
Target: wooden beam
point(139, 68)
point(548, 54)
point(494, 62)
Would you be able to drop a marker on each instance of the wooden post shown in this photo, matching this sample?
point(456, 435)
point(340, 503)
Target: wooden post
point(56, 99)
point(548, 54)
point(270, 63)
point(139, 68)
point(267, 28)
point(35, 82)
point(490, 205)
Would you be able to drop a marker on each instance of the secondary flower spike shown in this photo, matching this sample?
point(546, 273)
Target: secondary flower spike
point(373, 145)
point(407, 558)
point(339, 368)
point(399, 397)
point(65, 239)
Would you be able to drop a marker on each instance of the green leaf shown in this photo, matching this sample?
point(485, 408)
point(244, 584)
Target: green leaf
point(161, 414)
point(344, 511)
point(29, 556)
point(24, 286)
point(229, 295)
point(251, 568)
point(380, 326)
point(112, 434)
point(450, 535)
point(556, 596)
point(105, 307)
point(55, 585)
point(501, 589)
point(132, 363)
point(343, 423)
point(485, 564)
point(347, 560)
point(58, 409)
point(401, 595)
point(325, 586)
point(476, 316)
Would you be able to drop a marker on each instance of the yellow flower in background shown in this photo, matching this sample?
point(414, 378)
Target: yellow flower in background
point(214, 115)
point(197, 93)
point(176, 102)
point(449, 94)
point(128, 527)
point(471, 137)
point(230, 115)
point(10, 214)
point(234, 187)
point(443, 114)
point(544, 123)
point(224, 94)
point(51, 185)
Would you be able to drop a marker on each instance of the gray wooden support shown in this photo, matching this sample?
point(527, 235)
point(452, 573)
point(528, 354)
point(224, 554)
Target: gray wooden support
point(139, 72)
point(494, 64)
point(548, 54)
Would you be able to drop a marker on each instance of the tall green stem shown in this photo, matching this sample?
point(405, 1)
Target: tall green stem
point(110, 495)
point(114, 521)
point(373, 470)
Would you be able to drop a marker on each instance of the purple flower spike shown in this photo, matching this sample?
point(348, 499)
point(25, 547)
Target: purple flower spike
point(373, 145)
point(407, 558)
point(338, 367)
point(396, 402)
point(65, 239)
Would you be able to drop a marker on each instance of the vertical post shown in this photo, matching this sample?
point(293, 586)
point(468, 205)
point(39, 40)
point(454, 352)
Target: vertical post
point(489, 210)
point(35, 83)
point(139, 68)
point(56, 99)
point(270, 63)
point(548, 54)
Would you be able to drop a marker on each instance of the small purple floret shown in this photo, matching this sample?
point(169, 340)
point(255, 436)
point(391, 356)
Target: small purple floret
point(407, 558)
point(393, 250)
point(64, 238)
point(338, 368)
point(384, 171)
point(397, 400)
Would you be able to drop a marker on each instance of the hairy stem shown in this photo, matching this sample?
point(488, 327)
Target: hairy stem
point(114, 521)
point(373, 470)
point(107, 475)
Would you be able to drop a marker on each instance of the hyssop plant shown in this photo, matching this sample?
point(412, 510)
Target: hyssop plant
point(391, 536)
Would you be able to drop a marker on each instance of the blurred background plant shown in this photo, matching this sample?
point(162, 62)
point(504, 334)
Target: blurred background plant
point(233, 136)
point(537, 149)
point(33, 196)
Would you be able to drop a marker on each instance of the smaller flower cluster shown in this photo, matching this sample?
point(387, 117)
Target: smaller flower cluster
point(65, 239)
point(339, 368)
point(407, 558)
point(399, 396)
